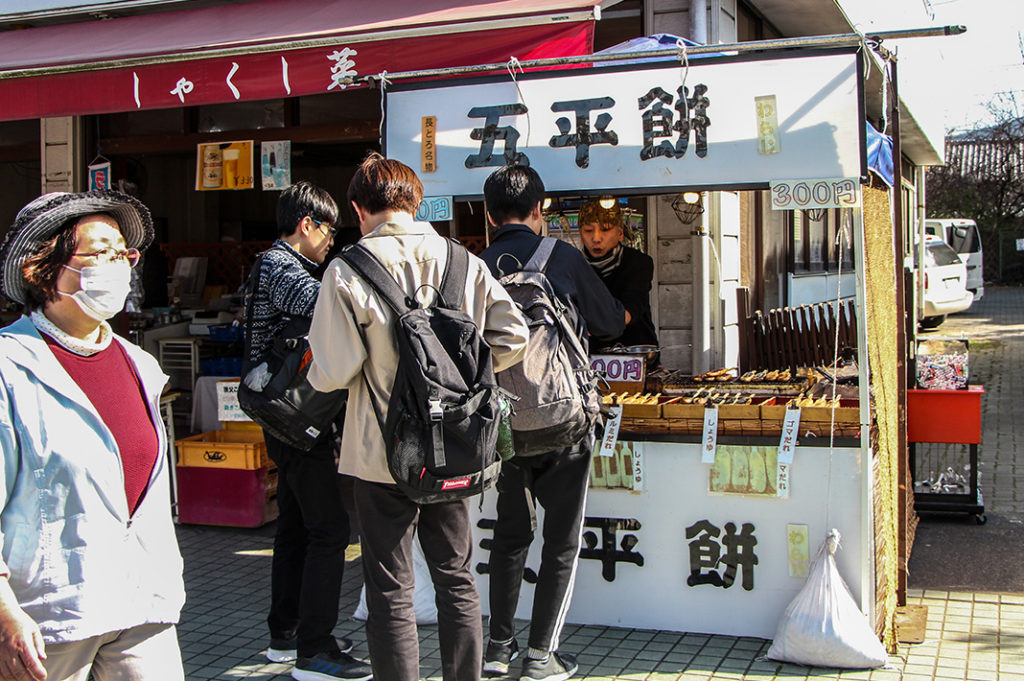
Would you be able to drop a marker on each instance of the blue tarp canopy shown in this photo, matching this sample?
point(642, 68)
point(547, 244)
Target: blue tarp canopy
point(658, 41)
point(880, 155)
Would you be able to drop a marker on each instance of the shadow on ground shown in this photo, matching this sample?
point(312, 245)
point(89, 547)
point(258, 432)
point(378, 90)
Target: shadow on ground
point(953, 552)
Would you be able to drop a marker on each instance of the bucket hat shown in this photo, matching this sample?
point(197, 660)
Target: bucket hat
point(43, 217)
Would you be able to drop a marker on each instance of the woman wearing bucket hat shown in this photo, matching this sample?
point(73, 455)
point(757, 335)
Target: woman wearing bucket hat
point(90, 573)
point(627, 272)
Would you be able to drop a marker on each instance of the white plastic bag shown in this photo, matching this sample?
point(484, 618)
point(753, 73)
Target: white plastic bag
point(423, 602)
point(823, 627)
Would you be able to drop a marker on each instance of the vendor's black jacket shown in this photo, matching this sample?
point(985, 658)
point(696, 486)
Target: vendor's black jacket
point(571, 276)
point(630, 282)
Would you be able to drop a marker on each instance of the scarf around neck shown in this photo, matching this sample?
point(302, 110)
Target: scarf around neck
point(608, 263)
point(76, 345)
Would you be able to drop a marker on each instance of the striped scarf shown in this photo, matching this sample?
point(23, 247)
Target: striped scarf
point(608, 263)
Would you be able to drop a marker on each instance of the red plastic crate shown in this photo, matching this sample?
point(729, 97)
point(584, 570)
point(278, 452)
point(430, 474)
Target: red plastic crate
point(236, 497)
point(945, 415)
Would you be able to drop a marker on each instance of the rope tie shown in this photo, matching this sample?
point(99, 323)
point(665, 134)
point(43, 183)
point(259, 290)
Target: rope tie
point(382, 77)
point(512, 66)
point(886, 80)
point(684, 64)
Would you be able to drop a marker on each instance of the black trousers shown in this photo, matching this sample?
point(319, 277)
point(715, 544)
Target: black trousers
point(309, 546)
point(387, 521)
point(559, 481)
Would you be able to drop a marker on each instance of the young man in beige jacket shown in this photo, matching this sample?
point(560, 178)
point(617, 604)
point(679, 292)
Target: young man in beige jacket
point(354, 347)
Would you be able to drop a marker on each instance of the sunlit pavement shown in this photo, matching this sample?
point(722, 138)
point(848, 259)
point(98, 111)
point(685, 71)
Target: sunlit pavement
point(972, 635)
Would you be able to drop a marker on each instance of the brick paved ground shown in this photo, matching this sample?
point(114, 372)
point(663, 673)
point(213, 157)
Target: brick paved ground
point(971, 635)
point(995, 328)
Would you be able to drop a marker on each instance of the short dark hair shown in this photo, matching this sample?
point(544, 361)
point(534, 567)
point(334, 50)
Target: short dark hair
point(385, 184)
point(301, 199)
point(41, 269)
point(511, 192)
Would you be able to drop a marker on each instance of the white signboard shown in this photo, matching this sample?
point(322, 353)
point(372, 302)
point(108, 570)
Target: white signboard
point(227, 402)
point(639, 128)
point(678, 557)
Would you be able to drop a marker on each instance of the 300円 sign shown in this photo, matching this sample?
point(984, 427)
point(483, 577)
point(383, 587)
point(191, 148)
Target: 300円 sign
point(834, 192)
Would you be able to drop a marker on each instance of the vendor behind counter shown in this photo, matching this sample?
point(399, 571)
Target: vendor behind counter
point(627, 272)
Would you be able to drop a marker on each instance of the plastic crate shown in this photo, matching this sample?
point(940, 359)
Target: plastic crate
point(221, 366)
point(945, 415)
point(231, 497)
point(225, 333)
point(240, 449)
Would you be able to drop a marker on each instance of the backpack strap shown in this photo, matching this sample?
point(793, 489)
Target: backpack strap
point(539, 260)
point(251, 283)
point(376, 275)
point(453, 286)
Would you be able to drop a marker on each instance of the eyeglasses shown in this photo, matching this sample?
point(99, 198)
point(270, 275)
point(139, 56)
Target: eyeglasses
point(329, 231)
point(107, 255)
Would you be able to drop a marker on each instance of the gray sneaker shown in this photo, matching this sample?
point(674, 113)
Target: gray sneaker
point(498, 655)
point(557, 667)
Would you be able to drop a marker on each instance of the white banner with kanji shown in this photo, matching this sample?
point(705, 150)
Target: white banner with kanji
point(719, 123)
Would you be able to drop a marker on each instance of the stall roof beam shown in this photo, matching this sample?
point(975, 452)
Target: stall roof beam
point(823, 41)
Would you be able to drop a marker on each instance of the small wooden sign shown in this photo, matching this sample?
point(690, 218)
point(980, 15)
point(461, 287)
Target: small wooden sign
point(709, 437)
point(428, 145)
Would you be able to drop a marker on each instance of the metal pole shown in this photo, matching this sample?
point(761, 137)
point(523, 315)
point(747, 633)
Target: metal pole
point(698, 21)
point(836, 40)
point(867, 585)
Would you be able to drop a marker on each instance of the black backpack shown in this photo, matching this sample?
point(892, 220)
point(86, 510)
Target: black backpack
point(443, 414)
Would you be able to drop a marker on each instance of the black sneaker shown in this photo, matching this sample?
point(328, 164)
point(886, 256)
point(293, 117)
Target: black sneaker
point(557, 667)
point(283, 649)
point(331, 666)
point(498, 655)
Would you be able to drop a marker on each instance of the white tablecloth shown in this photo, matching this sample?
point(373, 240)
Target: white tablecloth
point(204, 403)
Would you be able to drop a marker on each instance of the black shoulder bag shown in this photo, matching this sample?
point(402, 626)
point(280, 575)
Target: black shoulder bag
point(288, 407)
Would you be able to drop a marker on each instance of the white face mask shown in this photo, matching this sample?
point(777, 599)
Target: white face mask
point(102, 289)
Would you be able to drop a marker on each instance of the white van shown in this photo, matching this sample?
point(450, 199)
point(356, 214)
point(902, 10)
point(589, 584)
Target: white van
point(963, 237)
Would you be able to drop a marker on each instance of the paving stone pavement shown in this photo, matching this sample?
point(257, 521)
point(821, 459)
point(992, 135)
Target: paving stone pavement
point(971, 635)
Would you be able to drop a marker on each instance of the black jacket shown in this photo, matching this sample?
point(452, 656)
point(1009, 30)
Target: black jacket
point(571, 276)
point(630, 282)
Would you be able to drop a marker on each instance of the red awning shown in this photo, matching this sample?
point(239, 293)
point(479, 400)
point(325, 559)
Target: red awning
point(267, 49)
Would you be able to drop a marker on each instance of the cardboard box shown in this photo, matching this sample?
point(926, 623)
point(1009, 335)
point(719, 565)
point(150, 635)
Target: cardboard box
point(681, 410)
point(243, 449)
point(641, 411)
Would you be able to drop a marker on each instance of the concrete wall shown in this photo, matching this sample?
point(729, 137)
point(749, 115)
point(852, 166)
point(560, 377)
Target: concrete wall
point(61, 154)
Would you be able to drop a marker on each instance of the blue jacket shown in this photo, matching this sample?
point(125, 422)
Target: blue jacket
point(79, 565)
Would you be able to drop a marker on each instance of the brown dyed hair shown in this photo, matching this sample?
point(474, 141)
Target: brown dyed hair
point(385, 184)
point(41, 269)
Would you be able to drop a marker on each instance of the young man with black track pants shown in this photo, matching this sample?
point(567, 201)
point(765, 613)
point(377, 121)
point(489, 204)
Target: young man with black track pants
point(557, 479)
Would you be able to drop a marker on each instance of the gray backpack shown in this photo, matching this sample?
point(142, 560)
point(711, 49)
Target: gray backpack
point(558, 402)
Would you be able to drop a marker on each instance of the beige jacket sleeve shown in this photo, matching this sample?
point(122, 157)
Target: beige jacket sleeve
point(335, 338)
point(503, 327)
